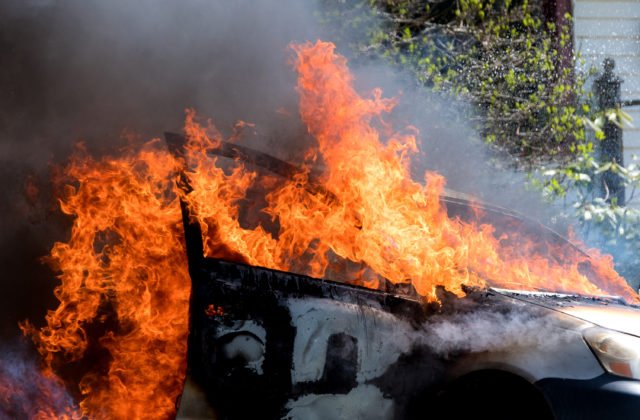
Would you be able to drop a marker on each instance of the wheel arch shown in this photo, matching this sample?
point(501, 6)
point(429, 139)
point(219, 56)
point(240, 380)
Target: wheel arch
point(494, 392)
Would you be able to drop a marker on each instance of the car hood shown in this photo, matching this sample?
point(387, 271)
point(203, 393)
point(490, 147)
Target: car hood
point(606, 311)
point(616, 317)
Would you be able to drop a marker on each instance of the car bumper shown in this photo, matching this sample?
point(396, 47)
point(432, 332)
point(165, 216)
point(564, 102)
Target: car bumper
point(604, 397)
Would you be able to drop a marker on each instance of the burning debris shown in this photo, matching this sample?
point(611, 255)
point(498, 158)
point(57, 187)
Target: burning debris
point(28, 392)
point(350, 212)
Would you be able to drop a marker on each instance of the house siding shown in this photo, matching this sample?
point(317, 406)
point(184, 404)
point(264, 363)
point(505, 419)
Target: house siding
point(610, 28)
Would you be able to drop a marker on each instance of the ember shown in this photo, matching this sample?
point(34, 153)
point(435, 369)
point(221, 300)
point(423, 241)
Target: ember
point(124, 291)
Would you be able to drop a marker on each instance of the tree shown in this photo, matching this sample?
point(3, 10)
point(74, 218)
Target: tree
point(499, 56)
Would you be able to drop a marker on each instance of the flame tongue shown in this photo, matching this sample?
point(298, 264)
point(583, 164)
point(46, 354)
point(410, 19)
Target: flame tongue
point(402, 232)
point(124, 287)
point(376, 217)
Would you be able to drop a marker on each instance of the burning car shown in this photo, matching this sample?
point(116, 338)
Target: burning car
point(356, 292)
point(341, 287)
point(274, 344)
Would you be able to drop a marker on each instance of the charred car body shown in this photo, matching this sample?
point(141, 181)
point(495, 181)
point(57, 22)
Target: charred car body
point(272, 344)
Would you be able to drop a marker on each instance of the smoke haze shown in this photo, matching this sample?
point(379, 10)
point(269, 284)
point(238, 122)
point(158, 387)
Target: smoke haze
point(109, 73)
point(93, 70)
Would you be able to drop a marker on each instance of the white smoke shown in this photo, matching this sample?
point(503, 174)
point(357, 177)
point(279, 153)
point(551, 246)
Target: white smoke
point(491, 330)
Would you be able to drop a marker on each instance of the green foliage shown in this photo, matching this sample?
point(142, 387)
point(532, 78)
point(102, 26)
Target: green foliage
point(498, 55)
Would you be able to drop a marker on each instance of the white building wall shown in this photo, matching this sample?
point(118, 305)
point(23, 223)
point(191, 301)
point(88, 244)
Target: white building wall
point(611, 28)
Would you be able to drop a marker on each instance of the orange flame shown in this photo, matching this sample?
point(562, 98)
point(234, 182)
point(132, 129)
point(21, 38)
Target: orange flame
point(122, 319)
point(376, 217)
point(124, 287)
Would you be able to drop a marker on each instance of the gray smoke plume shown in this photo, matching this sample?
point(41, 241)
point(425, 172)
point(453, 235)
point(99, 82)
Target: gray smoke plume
point(93, 70)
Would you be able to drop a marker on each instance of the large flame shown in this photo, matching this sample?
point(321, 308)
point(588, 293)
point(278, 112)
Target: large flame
point(371, 213)
point(120, 329)
point(124, 289)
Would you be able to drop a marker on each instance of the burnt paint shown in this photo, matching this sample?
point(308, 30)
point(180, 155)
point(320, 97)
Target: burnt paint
point(340, 369)
point(261, 295)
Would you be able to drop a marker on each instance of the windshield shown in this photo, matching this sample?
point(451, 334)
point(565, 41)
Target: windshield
point(573, 268)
